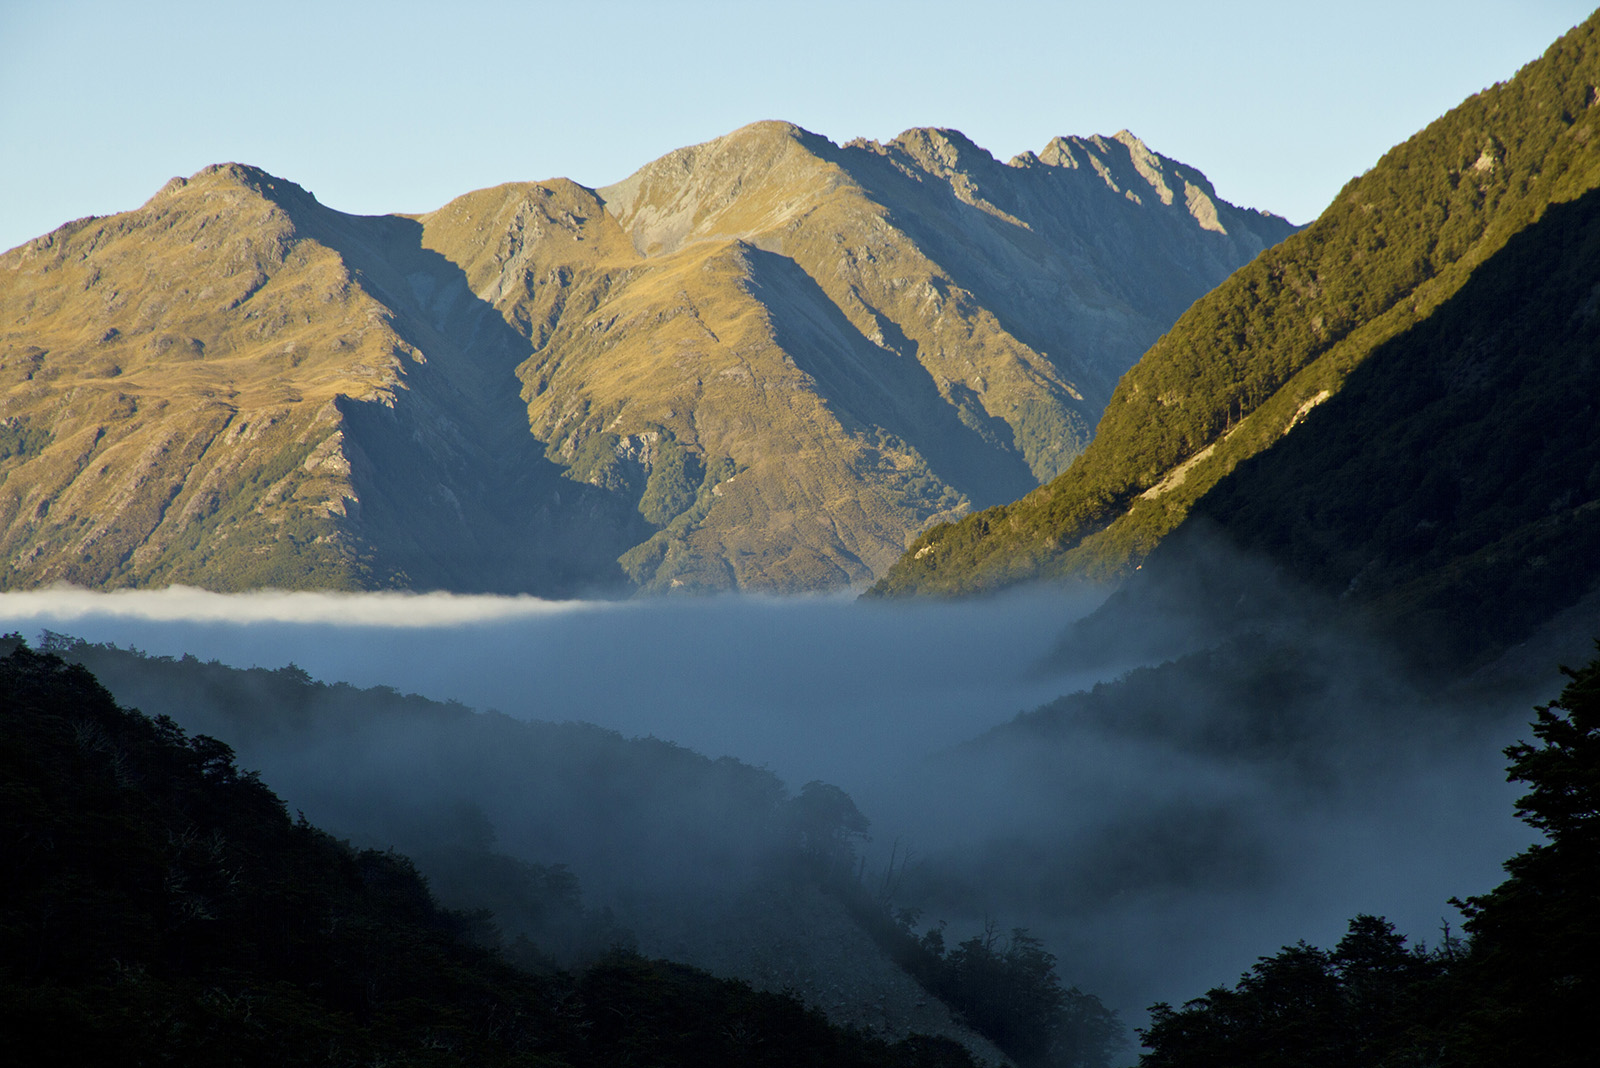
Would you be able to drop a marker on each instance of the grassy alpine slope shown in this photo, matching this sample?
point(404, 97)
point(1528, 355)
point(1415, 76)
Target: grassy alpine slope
point(764, 362)
point(792, 355)
point(1249, 361)
point(234, 387)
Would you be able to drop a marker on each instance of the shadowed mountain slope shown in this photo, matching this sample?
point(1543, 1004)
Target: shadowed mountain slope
point(577, 838)
point(762, 362)
point(830, 318)
point(1452, 488)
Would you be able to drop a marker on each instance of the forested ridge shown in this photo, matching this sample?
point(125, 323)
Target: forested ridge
point(160, 906)
point(1451, 491)
point(1251, 359)
point(163, 901)
point(527, 829)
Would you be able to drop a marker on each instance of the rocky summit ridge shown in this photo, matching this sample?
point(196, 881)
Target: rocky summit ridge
point(762, 362)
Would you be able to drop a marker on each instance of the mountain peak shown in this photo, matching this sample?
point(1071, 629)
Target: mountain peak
point(1130, 140)
point(238, 176)
point(711, 185)
point(1147, 163)
point(935, 150)
point(767, 129)
point(1129, 166)
point(948, 145)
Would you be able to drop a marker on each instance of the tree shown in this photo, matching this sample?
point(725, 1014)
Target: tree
point(826, 823)
point(1008, 990)
point(1534, 964)
point(1523, 991)
point(1357, 1005)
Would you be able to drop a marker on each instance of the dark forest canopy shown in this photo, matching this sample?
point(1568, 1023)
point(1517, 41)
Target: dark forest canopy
point(158, 905)
point(532, 827)
point(162, 899)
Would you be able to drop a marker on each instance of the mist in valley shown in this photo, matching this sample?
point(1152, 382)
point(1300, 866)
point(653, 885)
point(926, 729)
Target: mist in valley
point(1159, 833)
point(818, 687)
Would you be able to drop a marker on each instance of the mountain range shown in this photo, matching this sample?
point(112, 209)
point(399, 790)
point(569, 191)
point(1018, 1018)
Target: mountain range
point(1370, 448)
point(764, 362)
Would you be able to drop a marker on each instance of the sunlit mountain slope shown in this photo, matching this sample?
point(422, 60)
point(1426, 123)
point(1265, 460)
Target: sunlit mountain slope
point(763, 362)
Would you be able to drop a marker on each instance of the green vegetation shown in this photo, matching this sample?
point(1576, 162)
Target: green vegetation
point(19, 438)
point(1532, 976)
point(1005, 989)
point(1452, 488)
point(1361, 1004)
point(1520, 990)
point(1008, 989)
point(598, 462)
point(654, 563)
point(229, 544)
point(232, 527)
point(675, 474)
point(1242, 364)
point(1047, 439)
point(159, 906)
point(157, 899)
point(647, 805)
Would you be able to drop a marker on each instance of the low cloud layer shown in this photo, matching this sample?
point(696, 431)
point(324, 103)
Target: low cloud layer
point(814, 687)
point(185, 604)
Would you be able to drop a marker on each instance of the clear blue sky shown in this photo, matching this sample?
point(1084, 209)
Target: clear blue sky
point(399, 107)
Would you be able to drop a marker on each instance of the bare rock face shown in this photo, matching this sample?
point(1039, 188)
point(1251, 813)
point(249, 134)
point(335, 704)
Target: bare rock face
point(764, 362)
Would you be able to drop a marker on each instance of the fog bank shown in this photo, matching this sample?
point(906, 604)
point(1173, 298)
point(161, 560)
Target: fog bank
point(1160, 833)
point(814, 687)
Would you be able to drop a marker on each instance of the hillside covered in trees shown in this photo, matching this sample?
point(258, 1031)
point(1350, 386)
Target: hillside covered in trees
point(160, 906)
point(562, 842)
point(164, 900)
point(1448, 292)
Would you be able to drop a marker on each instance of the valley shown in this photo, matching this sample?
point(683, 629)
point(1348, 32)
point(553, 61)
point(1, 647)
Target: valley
point(439, 636)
